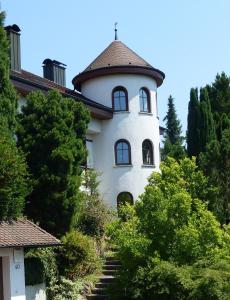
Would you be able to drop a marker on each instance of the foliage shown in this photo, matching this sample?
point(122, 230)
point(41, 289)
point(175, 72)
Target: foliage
point(52, 133)
point(13, 178)
point(193, 127)
point(66, 289)
point(173, 141)
point(216, 163)
point(207, 138)
point(77, 257)
point(94, 213)
point(8, 96)
point(40, 266)
point(164, 236)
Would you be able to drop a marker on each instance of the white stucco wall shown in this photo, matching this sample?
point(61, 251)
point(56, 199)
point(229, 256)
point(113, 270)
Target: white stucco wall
point(132, 126)
point(36, 292)
point(13, 273)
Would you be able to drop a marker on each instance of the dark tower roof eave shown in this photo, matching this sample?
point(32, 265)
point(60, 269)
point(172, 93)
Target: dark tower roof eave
point(156, 74)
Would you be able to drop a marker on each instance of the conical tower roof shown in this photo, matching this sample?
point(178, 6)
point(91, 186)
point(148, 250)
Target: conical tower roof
point(117, 58)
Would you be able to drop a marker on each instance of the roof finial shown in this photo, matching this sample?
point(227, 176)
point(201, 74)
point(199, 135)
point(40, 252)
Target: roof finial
point(115, 29)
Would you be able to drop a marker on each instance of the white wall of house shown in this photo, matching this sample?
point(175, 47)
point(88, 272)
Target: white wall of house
point(132, 126)
point(13, 273)
point(36, 292)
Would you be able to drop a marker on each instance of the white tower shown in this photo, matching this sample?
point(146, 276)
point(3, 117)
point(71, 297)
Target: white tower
point(126, 151)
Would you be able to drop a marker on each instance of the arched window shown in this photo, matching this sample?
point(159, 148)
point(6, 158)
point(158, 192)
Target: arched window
point(144, 100)
point(147, 152)
point(122, 153)
point(120, 99)
point(123, 198)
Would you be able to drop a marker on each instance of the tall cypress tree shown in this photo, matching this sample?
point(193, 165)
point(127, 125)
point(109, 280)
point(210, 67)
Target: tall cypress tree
point(173, 141)
point(207, 128)
point(193, 129)
point(8, 96)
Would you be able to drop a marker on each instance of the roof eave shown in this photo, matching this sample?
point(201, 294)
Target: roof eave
point(126, 69)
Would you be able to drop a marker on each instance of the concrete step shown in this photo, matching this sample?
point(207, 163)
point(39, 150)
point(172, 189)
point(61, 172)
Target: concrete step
point(111, 267)
point(102, 285)
point(109, 272)
point(106, 279)
point(112, 262)
point(99, 291)
point(96, 297)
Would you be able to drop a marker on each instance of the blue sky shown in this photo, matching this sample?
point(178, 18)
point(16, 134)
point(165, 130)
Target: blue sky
point(187, 39)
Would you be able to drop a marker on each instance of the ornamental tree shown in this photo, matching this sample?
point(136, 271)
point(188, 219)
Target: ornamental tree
point(52, 134)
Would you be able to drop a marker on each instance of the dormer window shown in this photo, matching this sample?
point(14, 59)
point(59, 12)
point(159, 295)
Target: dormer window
point(120, 99)
point(144, 100)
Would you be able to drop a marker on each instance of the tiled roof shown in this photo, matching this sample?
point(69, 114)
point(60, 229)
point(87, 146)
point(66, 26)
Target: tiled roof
point(26, 82)
point(23, 233)
point(117, 58)
point(117, 54)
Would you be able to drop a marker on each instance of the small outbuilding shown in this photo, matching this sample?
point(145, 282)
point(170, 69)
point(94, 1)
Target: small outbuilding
point(14, 237)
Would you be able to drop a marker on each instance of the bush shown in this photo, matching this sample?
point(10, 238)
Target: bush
point(94, 212)
point(170, 245)
point(77, 257)
point(66, 290)
point(40, 266)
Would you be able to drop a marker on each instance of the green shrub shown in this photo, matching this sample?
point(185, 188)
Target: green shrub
point(66, 290)
point(40, 266)
point(170, 245)
point(94, 212)
point(77, 257)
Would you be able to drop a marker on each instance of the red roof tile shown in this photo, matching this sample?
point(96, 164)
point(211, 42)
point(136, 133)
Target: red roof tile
point(23, 233)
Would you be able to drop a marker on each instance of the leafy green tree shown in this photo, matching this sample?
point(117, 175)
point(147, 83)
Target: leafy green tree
point(52, 133)
point(13, 178)
point(173, 141)
point(193, 128)
point(8, 96)
point(169, 239)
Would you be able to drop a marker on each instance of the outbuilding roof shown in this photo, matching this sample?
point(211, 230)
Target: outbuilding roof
point(24, 233)
point(117, 58)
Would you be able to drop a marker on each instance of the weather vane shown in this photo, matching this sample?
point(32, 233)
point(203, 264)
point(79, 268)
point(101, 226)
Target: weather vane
point(115, 29)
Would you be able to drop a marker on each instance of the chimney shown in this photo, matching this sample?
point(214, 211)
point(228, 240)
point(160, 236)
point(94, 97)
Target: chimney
point(54, 71)
point(13, 32)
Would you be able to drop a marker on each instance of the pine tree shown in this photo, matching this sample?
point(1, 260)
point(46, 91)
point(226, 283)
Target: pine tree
point(173, 141)
point(193, 129)
point(52, 133)
point(8, 96)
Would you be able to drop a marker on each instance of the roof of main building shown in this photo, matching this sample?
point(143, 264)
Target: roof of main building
point(26, 82)
point(23, 233)
point(117, 58)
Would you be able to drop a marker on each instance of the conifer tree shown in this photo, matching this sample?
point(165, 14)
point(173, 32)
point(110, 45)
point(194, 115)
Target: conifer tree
point(52, 134)
point(173, 141)
point(207, 128)
point(13, 170)
point(193, 129)
point(8, 96)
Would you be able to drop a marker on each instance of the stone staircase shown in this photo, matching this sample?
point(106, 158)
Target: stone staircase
point(109, 270)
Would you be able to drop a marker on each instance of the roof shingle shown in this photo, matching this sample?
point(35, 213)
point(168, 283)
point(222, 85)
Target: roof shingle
point(23, 233)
